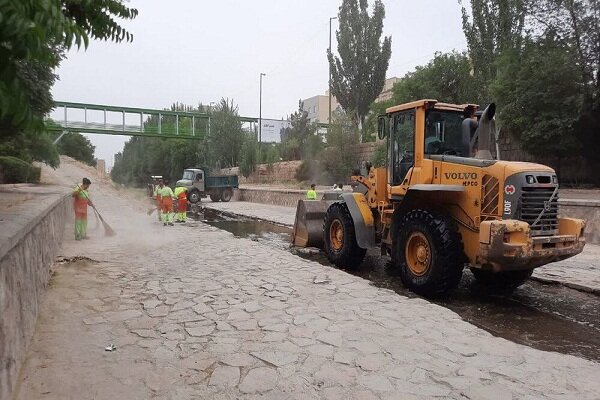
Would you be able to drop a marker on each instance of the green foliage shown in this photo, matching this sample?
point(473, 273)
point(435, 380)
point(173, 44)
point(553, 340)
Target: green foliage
point(227, 134)
point(15, 170)
point(369, 132)
point(539, 89)
point(31, 31)
point(77, 146)
point(31, 146)
point(249, 154)
point(447, 77)
point(491, 27)
point(358, 74)
point(300, 141)
point(337, 159)
point(380, 156)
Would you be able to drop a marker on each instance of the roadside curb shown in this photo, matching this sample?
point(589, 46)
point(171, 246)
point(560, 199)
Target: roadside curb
point(570, 285)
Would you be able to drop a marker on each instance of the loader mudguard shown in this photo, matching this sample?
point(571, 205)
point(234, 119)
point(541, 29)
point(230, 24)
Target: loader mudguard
point(362, 216)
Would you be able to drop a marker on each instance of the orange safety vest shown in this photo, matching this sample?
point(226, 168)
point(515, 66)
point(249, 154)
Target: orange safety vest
point(81, 202)
point(182, 201)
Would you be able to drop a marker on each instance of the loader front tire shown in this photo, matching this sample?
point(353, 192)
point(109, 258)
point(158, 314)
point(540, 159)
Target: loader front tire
point(428, 253)
point(340, 238)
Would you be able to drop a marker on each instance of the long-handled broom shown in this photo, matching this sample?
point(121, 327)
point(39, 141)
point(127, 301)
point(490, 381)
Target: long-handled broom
point(108, 231)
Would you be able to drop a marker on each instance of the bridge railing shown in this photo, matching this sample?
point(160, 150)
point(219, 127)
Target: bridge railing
point(148, 122)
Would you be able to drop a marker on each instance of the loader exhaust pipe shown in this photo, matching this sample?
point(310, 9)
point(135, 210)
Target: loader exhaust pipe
point(486, 130)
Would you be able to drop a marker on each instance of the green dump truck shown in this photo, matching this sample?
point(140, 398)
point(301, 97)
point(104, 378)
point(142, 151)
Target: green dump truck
point(200, 184)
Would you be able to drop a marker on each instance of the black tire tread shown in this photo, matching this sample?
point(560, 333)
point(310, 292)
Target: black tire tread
point(223, 194)
point(448, 263)
point(351, 254)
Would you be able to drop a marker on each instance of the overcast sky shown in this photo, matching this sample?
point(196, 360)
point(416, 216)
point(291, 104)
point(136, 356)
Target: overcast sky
point(199, 51)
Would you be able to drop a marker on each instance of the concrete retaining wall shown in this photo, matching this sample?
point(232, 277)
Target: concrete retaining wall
point(28, 246)
point(584, 209)
point(277, 197)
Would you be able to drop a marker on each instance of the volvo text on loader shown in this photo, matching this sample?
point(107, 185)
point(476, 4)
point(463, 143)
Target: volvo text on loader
point(442, 203)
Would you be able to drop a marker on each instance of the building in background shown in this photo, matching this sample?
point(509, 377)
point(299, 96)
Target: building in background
point(387, 92)
point(318, 106)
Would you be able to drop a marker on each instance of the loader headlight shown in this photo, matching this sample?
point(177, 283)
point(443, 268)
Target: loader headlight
point(530, 179)
point(554, 179)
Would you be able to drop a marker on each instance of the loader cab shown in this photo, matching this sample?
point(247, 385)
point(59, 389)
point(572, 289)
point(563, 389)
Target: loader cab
point(423, 130)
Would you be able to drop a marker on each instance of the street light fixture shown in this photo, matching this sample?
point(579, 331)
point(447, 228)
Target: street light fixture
point(260, 114)
point(329, 118)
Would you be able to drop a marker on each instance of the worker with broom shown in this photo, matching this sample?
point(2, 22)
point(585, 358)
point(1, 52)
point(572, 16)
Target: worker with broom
point(81, 200)
point(167, 196)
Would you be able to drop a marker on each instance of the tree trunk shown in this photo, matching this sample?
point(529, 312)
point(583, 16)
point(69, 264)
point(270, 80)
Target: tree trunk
point(359, 123)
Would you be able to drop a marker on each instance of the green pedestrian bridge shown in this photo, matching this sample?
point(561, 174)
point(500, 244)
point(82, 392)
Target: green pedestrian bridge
point(129, 121)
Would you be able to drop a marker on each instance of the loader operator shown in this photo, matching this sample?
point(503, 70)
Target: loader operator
point(312, 193)
point(81, 200)
point(167, 196)
point(181, 194)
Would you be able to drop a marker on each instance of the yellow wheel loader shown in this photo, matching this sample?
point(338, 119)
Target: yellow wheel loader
point(444, 202)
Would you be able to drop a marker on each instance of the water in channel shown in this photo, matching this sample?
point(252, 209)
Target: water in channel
point(543, 316)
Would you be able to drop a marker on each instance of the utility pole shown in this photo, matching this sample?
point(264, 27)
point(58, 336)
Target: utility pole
point(260, 115)
point(329, 118)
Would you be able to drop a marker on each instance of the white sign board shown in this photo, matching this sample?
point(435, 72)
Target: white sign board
point(272, 128)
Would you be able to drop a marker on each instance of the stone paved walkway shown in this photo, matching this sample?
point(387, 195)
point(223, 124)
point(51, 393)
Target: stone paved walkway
point(581, 272)
point(195, 313)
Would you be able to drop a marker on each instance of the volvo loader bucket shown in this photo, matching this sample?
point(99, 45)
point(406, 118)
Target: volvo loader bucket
point(308, 226)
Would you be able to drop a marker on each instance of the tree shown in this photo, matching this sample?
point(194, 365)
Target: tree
point(491, 27)
point(337, 160)
point(540, 92)
point(226, 134)
point(300, 141)
point(145, 156)
point(447, 77)
point(249, 154)
point(33, 35)
point(577, 23)
point(77, 146)
point(358, 74)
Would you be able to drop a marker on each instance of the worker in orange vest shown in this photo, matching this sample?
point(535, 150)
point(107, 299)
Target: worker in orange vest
point(181, 194)
point(81, 200)
point(167, 196)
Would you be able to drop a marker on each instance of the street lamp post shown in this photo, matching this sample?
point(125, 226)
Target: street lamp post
point(260, 115)
point(210, 109)
point(329, 118)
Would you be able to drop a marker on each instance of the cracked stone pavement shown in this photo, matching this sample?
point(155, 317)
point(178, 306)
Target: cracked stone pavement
point(195, 313)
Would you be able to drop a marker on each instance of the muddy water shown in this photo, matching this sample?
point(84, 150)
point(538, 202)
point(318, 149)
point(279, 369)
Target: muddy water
point(546, 317)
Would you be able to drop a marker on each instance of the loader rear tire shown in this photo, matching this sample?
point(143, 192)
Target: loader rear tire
point(506, 281)
point(340, 238)
point(428, 253)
